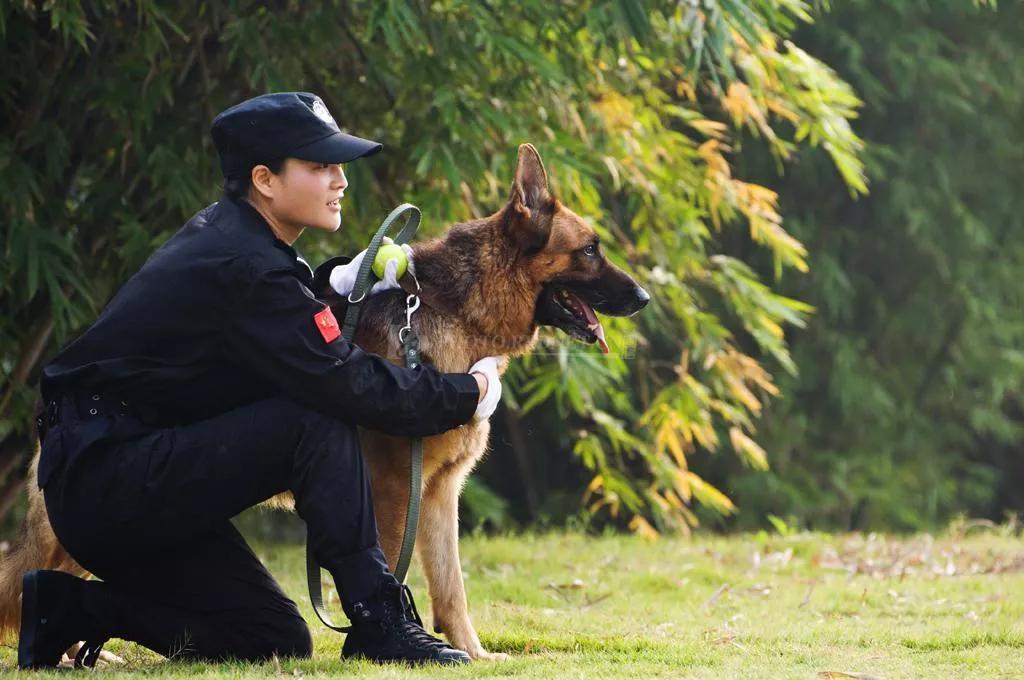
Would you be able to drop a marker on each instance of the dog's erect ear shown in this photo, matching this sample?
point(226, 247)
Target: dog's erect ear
point(530, 206)
point(530, 187)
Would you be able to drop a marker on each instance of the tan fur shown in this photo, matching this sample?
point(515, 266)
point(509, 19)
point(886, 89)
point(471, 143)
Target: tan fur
point(494, 316)
point(35, 547)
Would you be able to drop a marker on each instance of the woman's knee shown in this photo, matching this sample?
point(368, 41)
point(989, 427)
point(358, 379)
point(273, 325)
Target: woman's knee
point(287, 638)
point(296, 641)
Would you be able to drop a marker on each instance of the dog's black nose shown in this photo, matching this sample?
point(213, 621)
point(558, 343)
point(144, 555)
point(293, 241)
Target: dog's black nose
point(642, 298)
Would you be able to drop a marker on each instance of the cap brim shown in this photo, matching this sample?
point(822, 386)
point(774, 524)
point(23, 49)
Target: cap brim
point(337, 148)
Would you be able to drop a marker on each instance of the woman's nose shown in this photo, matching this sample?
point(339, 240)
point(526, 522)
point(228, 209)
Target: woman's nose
point(340, 181)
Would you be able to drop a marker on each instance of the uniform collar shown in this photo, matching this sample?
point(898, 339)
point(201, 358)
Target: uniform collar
point(253, 223)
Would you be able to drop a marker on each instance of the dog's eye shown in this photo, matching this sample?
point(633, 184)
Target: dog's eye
point(590, 250)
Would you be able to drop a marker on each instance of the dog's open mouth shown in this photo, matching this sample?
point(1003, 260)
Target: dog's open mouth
point(568, 311)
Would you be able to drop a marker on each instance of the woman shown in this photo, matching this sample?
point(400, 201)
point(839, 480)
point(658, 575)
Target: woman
point(212, 381)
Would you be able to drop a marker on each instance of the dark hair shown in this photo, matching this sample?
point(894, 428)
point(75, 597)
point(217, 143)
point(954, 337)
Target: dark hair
point(237, 188)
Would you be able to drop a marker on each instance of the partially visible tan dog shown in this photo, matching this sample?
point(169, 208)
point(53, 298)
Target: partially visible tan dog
point(486, 286)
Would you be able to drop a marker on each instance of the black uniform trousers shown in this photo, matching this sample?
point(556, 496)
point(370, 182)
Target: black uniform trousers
point(147, 511)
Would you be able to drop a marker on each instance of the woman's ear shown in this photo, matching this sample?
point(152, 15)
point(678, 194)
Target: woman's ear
point(262, 181)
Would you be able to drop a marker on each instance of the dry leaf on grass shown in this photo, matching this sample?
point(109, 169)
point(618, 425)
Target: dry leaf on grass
point(807, 597)
point(577, 584)
point(722, 589)
point(563, 590)
point(725, 635)
point(723, 639)
point(879, 557)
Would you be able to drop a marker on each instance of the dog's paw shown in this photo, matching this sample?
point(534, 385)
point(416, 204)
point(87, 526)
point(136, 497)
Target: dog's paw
point(110, 659)
point(491, 656)
point(105, 658)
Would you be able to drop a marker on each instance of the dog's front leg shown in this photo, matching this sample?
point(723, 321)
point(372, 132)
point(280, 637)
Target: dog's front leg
point(438, 548)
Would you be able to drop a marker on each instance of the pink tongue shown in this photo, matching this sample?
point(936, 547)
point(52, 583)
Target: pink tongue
point(593, 323)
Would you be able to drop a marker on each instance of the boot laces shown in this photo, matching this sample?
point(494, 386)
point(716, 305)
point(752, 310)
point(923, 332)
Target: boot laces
point(409, 605)
point(408, 624)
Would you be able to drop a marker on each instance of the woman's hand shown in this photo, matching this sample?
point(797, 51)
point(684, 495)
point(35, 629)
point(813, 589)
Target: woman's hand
point(486, 373)
point(343, 277)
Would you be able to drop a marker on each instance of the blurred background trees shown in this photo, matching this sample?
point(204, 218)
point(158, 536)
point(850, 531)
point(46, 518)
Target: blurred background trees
point(907, 408)
point(685, 131)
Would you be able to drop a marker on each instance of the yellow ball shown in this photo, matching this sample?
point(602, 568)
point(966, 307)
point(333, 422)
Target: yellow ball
point(390, 252)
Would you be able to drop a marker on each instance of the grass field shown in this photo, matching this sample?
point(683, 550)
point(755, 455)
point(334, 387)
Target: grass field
point(753, 606)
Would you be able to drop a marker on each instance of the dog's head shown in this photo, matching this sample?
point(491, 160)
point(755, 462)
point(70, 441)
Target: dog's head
point(562, 256)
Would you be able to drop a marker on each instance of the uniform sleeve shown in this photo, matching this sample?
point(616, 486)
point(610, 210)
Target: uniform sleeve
point(279, 330)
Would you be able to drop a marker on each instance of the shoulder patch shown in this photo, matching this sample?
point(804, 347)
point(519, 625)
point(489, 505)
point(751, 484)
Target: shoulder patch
point(327, 324)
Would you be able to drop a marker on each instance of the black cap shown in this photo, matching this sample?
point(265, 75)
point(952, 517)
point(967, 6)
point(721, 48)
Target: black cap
point(282, 125)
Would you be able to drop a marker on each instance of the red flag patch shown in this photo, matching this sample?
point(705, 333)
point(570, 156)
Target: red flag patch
point(327, 324)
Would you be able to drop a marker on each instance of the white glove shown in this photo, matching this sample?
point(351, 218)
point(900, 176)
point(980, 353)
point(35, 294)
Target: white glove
point(488, 367)
point(343, 277)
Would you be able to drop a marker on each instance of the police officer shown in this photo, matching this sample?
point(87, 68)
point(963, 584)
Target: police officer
point(212, 381)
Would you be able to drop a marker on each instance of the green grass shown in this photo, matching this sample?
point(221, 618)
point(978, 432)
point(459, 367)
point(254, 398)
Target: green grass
point(574, 606)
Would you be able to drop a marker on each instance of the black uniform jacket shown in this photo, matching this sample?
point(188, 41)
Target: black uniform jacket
point(222, 315)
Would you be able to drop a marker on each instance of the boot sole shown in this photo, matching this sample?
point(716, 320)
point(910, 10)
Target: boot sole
point(27, 638)
point(425, 661)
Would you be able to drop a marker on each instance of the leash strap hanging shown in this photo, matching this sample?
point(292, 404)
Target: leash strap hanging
point(316, 596)
point(410, 350)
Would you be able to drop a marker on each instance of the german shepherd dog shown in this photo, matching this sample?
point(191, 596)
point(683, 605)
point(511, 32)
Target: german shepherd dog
point(485, 286)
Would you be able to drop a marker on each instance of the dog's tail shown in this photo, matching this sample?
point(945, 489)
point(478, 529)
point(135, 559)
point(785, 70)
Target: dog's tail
point(36, 547)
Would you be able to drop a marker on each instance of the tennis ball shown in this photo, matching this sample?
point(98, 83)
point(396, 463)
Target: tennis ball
point(390, 252)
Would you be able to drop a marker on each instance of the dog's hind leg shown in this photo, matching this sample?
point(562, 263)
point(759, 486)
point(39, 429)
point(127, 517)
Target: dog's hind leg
point(36, 547)
point(438, 548)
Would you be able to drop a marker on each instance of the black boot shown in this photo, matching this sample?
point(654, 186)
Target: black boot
point(54, 617)
point(388, 628)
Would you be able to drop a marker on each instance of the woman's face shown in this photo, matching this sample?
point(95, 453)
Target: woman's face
point(308, 194)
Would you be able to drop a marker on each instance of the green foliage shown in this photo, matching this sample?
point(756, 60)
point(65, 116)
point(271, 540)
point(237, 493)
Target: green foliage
point(908, 406)
point(635, 106)
point(483, 507)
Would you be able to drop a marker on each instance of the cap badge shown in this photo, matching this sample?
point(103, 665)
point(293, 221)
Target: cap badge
point(321, 112)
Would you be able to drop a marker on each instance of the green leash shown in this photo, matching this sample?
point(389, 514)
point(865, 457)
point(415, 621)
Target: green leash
point(411, 351)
